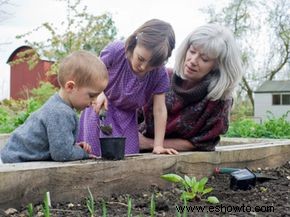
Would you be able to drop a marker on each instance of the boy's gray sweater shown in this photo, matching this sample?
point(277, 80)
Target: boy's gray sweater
point(48, 134)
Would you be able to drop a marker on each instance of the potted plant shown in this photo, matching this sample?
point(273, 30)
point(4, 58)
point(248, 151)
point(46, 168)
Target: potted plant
point(112, 147)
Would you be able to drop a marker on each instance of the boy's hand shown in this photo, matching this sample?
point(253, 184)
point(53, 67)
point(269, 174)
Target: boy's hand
point(85, 146)
point(161, 150)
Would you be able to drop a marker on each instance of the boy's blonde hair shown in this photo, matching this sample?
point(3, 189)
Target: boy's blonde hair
point(83, 67)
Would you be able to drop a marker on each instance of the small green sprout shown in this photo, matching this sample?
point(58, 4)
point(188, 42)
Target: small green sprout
point(30, 210)
point(91, 203)
point(152, 206)
point(263, 189)
point(46, 205)
point(104, 209)
point(129, 212)
point(184, 211)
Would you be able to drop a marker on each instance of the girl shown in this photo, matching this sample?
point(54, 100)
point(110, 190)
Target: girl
point(136, 73)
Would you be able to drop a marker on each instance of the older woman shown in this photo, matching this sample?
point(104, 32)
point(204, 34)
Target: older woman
point(207, 69)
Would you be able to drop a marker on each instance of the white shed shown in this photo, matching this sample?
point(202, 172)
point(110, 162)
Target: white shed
point(273, 96)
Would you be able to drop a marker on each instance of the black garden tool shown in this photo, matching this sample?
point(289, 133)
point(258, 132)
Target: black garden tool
point(259, 176)
point(243, 179)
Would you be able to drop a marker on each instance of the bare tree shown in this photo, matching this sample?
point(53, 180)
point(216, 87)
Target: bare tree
point(83, 30)
point(263, 33)
point(4, 14)
point(279, 21)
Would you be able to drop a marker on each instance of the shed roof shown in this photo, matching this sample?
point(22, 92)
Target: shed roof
point(21, 48)
point(274, 86)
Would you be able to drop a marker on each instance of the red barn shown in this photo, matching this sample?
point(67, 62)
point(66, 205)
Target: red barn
point(22, 79)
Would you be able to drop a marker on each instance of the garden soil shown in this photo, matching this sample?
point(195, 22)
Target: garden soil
point(268, 198)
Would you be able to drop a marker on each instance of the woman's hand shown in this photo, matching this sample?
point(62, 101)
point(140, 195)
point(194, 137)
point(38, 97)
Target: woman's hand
point(100, 102)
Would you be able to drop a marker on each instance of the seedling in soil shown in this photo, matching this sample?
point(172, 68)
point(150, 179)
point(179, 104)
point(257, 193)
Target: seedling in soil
point(184, 211)
point(30, 210)
point(152, 206)
point(91, 203)
point(104, 209)
point(192, 189)
point(129, 212)
point(46, 205)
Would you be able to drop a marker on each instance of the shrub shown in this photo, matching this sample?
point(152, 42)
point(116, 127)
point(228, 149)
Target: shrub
point(278, 128)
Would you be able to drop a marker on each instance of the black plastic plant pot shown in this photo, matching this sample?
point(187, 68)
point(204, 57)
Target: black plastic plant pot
point(113, 148)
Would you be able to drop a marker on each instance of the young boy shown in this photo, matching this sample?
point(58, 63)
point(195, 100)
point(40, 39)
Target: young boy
point(50, 132)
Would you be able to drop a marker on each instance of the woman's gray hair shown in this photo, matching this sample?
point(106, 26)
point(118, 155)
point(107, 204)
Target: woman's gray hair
point(217, 42)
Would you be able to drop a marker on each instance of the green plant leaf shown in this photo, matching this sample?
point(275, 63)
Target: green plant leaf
point(187, 181)
point(172, 178)
point(90, 202)
point(104, 208)
point(201, 184)
point(129, 210)
point(193, 180)
point(207, 190)
point(194, 187)
point(213, 200)
point(152, 206)
point(30, 210)
point(203, 181)
point(188, 195)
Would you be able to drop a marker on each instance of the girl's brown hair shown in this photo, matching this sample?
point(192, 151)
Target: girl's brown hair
point(155, 35)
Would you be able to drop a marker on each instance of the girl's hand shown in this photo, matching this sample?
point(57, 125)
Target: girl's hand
point(85, 146)
point(100, 102)
point(161, 150)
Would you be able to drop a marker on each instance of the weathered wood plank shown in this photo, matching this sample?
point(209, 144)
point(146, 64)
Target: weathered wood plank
point(25, 183)
point(253, 156)
point(3, 139)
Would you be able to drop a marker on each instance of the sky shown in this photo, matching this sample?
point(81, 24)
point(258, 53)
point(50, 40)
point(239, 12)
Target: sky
point(128, 15)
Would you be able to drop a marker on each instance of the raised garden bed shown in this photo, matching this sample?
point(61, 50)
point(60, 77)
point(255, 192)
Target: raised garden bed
point(114, 180)
point(269, 198)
